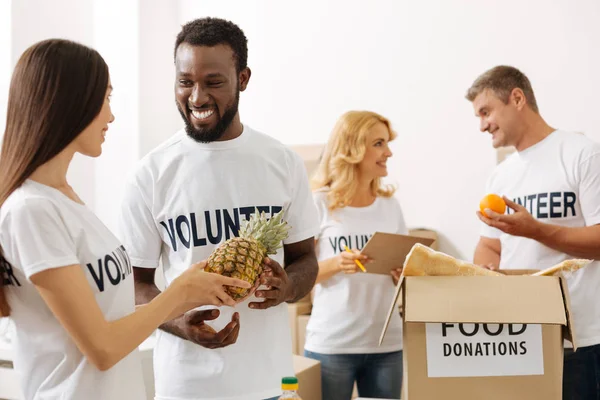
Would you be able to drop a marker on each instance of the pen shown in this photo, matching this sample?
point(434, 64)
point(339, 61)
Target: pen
point(362, 267)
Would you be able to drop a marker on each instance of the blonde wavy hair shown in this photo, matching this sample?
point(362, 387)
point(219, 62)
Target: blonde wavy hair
point(338, 167)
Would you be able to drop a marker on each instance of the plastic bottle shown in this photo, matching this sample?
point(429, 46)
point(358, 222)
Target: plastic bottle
point(289, 385)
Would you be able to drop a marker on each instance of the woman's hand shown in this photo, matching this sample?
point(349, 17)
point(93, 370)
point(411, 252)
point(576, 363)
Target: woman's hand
point(205, 288)
point(346, 261)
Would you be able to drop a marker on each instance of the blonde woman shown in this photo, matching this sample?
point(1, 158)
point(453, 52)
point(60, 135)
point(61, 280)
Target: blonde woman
point(349, 309)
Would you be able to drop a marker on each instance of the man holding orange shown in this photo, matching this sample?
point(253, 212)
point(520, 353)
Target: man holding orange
point(551, 187)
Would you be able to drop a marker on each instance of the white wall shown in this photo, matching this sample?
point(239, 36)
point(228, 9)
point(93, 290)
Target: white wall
point(5, 62)
point(313, 60)
point(158, 115)
point(116, 37)
point(412, 62)
point(35, 20)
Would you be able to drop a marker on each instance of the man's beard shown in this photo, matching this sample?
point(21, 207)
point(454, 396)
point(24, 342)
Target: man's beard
point(207, 135)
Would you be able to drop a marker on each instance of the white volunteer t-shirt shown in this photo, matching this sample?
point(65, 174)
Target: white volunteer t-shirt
point(40, 229)
point(349, 310)
point(183, 200)
point(558, 181)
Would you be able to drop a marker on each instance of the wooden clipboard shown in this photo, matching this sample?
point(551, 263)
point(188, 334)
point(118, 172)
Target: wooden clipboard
point(389, 250)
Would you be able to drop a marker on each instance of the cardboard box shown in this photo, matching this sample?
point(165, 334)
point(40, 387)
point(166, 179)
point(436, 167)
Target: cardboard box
point(484, 337)
point(301, 334)
point(306, 299)
point(295, 310)
point(311, 155)
point(308, 372)
point(426, 233)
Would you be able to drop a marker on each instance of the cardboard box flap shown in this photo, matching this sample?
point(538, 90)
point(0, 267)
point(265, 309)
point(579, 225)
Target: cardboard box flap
point(569, 331)
point(486, 299)
point(392, 309)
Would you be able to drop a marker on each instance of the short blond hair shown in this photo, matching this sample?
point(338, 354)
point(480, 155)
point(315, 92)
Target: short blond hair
point(502, 80)
point(338, 167)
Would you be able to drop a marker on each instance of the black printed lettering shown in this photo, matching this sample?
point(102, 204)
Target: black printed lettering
point(468, 349)
point(445, 327)
point(115, 265)
point(99, 276)
point(457, 349)
point(447, 350)
point(502, 348)
point(114, 279)
point(365, 239)
point(461, 328)
point(334, 245)
point(478, 350)
point(125, 257)
point(492, 333)
point(232, 226)
point(541, 203)
point(554, 204)
point(523, 348)
point(217, 225)
point(531, 198)
point(569, 204)
point(247, 211)
point(487, 348)
point(263, 209)
point(513, 332)
point(548, 204)
point(340, 245)
point(171, 232)
point(483, 349)
point(212, 238)
point(185, 240)
point(198, 241)
point(120, 264)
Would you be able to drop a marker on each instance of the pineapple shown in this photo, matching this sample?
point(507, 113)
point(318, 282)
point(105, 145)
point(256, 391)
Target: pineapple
point(241, 257)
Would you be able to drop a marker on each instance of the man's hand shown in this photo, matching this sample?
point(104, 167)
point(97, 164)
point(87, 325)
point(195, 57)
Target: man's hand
point(196, 331)
point(396, 275)
point(520, 223)
point(278, 286)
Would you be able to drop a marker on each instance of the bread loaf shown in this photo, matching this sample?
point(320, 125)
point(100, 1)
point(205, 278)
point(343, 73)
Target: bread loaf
point(423, 261)
point(565, 266)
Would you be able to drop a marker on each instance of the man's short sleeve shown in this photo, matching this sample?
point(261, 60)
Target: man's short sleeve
point(301, 213)
point(137, 228)
point(589, 189)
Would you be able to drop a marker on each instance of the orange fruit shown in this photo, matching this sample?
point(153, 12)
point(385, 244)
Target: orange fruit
point(492, 202)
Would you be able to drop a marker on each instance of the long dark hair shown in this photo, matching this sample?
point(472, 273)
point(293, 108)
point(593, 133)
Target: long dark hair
point(57, 89)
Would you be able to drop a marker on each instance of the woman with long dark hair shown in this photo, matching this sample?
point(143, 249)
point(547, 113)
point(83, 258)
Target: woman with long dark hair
point(65, 279)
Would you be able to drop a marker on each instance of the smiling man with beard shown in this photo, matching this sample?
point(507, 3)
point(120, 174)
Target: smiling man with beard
point(208, 116)
point(189, 195)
